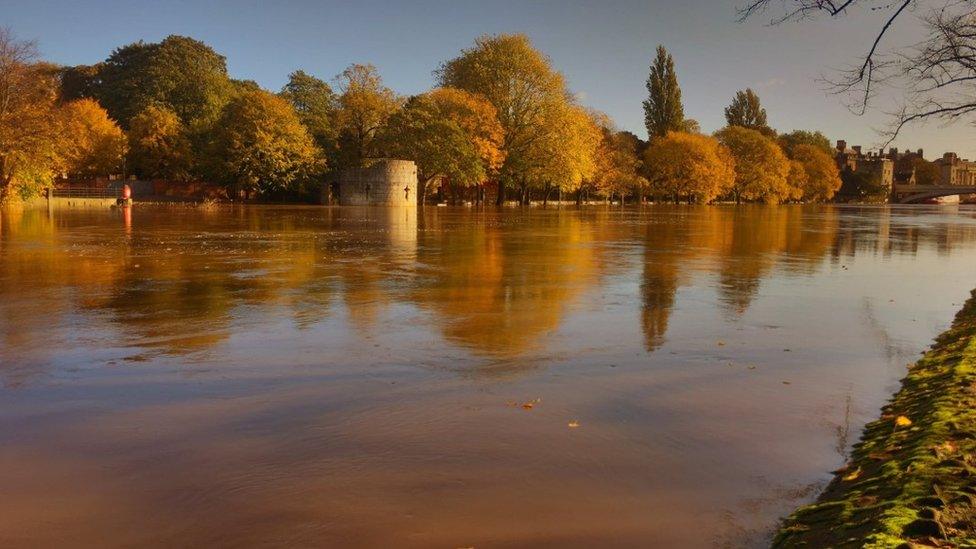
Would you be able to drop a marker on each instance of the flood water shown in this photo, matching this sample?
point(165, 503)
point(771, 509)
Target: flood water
point(341, 377)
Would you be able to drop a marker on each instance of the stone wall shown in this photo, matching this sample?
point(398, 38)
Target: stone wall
point(387, 182)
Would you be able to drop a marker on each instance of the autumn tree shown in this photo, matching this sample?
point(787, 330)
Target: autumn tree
point(28, 91)
point(663, 111)
point(820, 180)
point(442, 150)
point(90, 143)
point(691, 167)
point(179, 73)
point(789, 141)
point(528, 95)
point(474, 114)
point(761, 168)
point(316, 105)
point(565, 157)
point(261, 145)
point(364, 104)
point(746, 111)
point(159, 147)
point(618, 164)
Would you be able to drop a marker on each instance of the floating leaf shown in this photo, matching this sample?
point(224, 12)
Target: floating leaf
point(573, 424)
point(853, 475)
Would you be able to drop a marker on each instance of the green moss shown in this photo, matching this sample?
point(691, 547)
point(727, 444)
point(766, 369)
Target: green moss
point(917, 483)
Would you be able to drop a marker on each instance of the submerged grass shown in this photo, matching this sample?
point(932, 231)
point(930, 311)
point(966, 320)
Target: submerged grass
point(911, 481)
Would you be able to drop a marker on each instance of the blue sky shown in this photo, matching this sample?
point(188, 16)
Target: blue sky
point(603, 48)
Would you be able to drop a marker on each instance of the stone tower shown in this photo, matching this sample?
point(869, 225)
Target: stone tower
point(386, 182)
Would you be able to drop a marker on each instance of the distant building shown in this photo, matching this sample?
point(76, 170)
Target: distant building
point(956, 171)
point(853, 159)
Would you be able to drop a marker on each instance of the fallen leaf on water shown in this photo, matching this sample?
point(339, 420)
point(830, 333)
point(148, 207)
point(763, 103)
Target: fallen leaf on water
point(786, 383)
point(753, 367)
point(902, 421)
point(720, 343)
point(528, 405)
point(853, 475)
point(573, 424)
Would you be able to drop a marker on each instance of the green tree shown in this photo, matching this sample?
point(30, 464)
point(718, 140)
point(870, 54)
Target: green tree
point(761, 168)
point(663, 111)
point(788, 141)
point(365, 104)
point(316, 105)
point(261, 145)
point(422, 132)
point(179, 73)
point(862, 186)
point(926, 173)
point(528, 95)
point(159, 147)
point(747, 112)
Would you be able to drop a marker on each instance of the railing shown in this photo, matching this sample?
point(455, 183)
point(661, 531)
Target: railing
point(84, 192)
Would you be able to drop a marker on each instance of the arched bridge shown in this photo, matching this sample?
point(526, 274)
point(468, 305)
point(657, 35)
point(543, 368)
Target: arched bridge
point(913, 194)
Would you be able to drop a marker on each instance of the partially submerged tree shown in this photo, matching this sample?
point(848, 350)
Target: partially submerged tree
point(528, 95)
point(28, 91)
point(695, 168)
point(761, 168)
point(821, 178)
point(663, 111)
point(443, 151)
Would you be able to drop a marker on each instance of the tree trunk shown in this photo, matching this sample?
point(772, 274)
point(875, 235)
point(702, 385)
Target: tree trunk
point(500, 200)
point(545, 197)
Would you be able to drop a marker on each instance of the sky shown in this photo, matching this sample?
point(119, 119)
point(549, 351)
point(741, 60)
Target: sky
point(603, 48)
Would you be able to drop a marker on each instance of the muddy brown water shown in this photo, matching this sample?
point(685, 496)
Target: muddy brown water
point(342, 377)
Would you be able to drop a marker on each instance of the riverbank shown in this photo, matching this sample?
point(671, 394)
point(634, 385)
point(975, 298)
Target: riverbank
point(912, 478)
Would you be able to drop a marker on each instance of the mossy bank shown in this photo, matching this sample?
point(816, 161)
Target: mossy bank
point(912, 478)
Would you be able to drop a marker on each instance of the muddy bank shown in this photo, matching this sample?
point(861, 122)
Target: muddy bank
point(912, 478)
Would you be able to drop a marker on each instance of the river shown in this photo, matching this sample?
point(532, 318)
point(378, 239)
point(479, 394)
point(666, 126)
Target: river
point(671, 376)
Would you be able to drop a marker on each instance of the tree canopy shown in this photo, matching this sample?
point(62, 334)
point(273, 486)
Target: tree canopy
point(528, 95)
point(746, 111)
point(316, 105)
point(261, 145)
point(90, 142)
point(788, 141)
point(691, 167)
point(28, 121)
point(365, 104)
point(421, 131)
point(179, 73)
point(761, 168)
point(663, 111)
point(821, 179)
point(159, 147)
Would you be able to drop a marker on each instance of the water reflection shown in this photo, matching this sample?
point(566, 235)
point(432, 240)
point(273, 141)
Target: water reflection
point(356, 376)
point(180, 280)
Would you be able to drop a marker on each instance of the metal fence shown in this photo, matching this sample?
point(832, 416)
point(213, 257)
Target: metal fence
point(85, 192)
